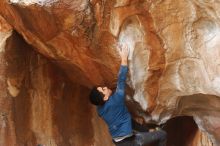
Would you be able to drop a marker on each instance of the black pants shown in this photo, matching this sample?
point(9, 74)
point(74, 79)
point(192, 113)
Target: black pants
point(144, 138)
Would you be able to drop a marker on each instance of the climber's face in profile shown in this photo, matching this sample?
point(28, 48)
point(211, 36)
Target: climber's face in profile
point(105, 91)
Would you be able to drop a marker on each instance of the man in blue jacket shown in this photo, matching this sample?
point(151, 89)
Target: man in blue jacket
point(112, 109)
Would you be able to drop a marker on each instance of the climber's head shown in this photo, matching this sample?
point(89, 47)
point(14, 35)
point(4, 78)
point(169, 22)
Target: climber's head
point(99, 95)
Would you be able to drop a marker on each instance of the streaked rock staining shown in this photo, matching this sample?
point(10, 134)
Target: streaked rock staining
point(53, 51)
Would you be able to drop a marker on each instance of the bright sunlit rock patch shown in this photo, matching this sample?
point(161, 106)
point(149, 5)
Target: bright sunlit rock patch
point(30, 2)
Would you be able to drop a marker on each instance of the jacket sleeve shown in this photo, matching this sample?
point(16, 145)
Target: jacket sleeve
point(122, 75)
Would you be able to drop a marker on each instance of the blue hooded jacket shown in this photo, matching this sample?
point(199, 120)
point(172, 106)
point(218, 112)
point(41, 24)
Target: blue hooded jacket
point(114, 111)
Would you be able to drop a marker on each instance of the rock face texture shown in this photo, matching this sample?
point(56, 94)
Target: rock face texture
point(53, 51)
point(40, 105)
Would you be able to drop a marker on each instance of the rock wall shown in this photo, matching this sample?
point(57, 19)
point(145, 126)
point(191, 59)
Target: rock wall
point(173, 62)
point(40, 105)
point(7, 129)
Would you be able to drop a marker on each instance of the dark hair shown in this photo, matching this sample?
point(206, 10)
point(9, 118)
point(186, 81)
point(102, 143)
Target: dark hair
point(96, 97)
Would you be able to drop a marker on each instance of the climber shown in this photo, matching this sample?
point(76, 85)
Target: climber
point(112, 109)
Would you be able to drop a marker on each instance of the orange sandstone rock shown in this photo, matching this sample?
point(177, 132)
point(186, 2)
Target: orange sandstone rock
point(173, 65)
